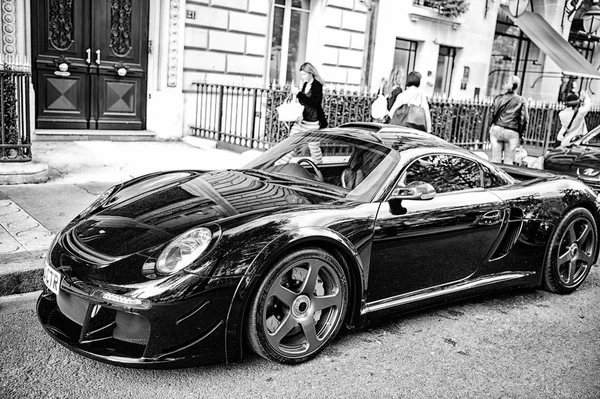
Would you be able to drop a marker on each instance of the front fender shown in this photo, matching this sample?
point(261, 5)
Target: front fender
point(314, 236)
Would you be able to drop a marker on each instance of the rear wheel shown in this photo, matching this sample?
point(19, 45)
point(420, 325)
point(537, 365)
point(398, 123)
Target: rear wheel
point(299, 307)
point(572, 252)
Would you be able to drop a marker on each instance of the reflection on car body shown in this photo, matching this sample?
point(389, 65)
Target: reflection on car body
point(581, 159)
point(181, 268)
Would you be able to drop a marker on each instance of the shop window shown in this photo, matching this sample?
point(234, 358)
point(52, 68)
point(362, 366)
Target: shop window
point(288, 43)
point(405, 54)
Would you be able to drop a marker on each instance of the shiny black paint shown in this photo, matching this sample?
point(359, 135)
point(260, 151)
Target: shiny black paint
point(573, 160)
point(388, 249)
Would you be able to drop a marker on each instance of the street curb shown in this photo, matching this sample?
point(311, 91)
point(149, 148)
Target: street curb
point(19, 302)
point(22, 281)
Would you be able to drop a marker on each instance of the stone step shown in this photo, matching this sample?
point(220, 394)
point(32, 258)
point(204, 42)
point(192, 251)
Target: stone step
point(87, 135)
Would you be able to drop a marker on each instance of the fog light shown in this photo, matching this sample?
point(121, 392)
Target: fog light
point(125, 300)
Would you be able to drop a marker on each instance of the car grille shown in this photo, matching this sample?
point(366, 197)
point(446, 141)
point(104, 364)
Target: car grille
point(99, 322)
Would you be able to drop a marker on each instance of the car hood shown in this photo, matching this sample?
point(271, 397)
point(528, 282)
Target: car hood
point(151, 211)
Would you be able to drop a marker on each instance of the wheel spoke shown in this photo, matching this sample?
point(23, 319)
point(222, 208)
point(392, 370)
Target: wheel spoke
point(284, 328)
point(585, 257)
point(283, 294)
point(324, 302)
point(571, 272)
point(308, 288)
point(562, 259)
point(572, 235)
point(582, 239)
point(310, 333)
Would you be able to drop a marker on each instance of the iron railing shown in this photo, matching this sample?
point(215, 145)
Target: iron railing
point(15, 132)
point(247, 117)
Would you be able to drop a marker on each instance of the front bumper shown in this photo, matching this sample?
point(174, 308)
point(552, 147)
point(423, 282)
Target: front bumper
point(186, 331)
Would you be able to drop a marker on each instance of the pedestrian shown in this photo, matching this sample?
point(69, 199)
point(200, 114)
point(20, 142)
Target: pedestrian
point(311, 97)
point(572, 118)
point(313, 116)
point(394, 86)
point(411, 107)
point(510, 116)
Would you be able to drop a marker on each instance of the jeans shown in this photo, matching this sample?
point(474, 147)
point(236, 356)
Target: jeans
point(503, 140)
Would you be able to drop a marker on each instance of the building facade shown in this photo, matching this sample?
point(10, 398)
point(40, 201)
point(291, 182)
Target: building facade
point(125, 65)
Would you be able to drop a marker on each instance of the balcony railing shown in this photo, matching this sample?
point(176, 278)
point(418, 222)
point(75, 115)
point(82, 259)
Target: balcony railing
point(15, 134)
point(247, 117)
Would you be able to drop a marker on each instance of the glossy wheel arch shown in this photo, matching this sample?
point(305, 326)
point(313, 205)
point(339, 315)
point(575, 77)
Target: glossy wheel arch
point(572, 252)
point(299, 307)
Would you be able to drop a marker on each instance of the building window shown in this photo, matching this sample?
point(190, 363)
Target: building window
point(445, 67)
point(586, 45)
point(513, 54)
point(288, 44)
point(405, 54)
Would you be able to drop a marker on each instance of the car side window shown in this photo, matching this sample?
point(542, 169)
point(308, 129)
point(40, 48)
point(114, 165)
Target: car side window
point(445, 173)
point(491, 179)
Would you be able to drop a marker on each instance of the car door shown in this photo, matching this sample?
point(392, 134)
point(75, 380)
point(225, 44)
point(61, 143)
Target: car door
point(425, 243)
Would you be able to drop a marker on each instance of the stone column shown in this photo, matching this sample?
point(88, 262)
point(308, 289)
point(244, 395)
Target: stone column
point(165, 93)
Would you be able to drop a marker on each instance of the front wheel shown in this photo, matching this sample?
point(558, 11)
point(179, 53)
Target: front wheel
point(299, 307)
point(572, 252)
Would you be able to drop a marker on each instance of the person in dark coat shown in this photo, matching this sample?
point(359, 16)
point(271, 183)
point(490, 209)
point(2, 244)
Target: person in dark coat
point(311, 96)
point(510, 116)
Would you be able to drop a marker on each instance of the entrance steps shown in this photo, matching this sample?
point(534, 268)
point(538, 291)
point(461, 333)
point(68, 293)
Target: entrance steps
point(86, 135)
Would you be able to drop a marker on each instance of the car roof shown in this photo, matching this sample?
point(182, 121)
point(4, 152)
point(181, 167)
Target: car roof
point(400, 138)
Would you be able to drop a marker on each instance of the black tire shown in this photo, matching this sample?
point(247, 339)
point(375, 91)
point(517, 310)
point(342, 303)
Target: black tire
point(572, 252)
point(298, 308)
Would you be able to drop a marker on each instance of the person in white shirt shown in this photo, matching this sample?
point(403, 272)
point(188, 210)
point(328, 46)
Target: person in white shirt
point(572, 118)
point(413, 95)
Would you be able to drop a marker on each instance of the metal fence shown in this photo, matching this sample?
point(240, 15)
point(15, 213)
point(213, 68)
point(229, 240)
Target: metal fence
point(15, 133)
point(247, 117)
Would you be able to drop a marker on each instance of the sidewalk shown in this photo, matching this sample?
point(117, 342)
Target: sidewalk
point(79, 171)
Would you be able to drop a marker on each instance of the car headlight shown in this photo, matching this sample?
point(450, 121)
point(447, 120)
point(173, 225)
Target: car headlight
point(101, 200)
point(183, 250)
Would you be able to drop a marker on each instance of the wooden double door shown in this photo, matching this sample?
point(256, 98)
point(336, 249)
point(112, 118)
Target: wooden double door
point(90, 62)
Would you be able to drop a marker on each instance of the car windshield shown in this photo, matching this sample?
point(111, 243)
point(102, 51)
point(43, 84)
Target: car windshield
point(344, 163)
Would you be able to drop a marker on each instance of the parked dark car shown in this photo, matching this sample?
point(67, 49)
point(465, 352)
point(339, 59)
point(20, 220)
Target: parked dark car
point(580, 159)
point(193, 267)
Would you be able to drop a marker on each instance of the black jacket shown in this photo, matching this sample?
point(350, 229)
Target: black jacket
point(510, 112)
point(312, 101)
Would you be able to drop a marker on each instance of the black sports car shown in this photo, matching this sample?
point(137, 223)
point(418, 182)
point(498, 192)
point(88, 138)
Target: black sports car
point(328, 228)
point(580, 159)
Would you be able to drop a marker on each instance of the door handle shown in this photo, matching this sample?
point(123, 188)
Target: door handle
point(98, 56)
point(491, 217)
point(89, 56)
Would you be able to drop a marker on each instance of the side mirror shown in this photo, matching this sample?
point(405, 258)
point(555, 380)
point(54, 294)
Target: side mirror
point(417, 190)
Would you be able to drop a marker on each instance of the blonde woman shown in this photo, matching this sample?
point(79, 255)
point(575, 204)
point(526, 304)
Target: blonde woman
point(311, 96)
point(393, 86)
point(313, 116)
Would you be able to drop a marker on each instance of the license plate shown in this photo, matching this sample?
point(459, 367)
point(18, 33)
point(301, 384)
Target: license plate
point(52, 279)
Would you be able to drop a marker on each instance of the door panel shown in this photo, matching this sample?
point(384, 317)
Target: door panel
point(62, 99)
point(420, 244)
point(94, 40)
point(124, 46)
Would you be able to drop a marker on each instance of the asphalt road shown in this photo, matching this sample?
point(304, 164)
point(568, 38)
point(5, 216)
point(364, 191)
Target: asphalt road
point(518, 344)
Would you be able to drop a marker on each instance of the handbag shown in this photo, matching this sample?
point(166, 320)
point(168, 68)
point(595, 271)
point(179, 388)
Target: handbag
point(379, 107)
point(290, 111)
point(520, 154)
point(410, 115)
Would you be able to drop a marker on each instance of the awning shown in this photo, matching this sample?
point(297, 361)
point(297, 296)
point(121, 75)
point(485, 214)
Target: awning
point(551, 43)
